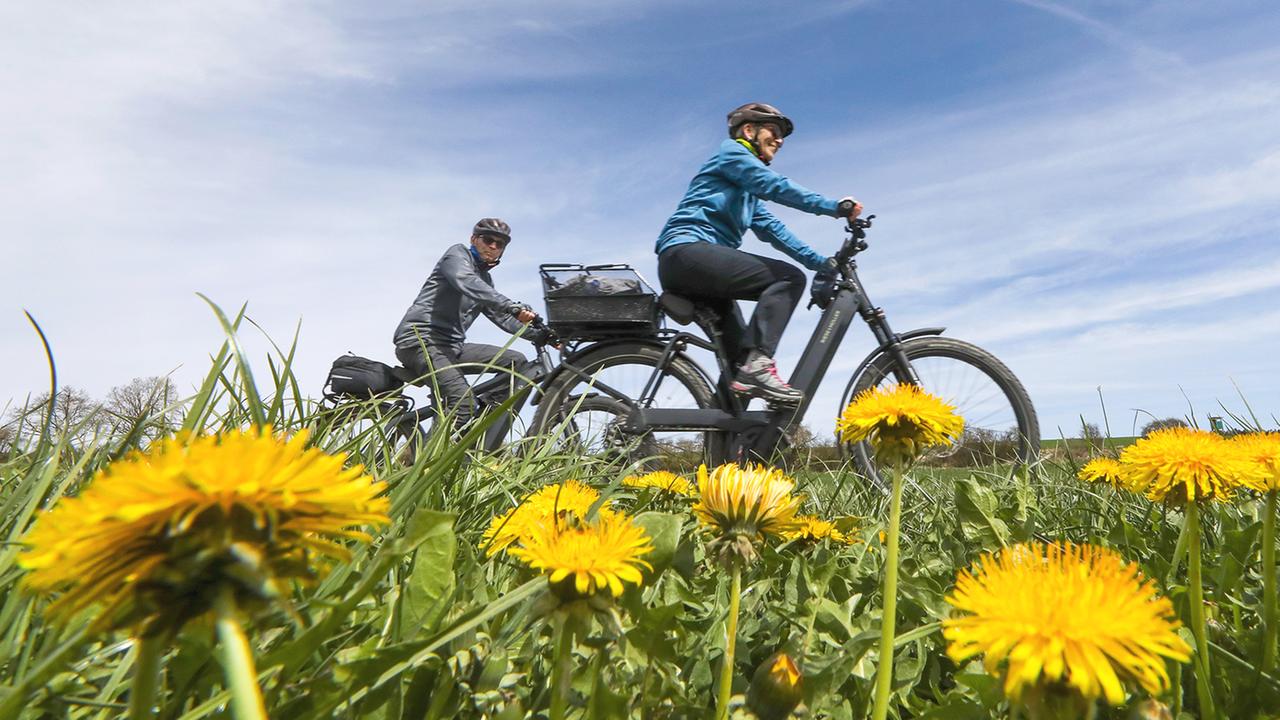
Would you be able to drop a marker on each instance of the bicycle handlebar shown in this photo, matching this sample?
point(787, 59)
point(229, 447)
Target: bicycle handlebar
point(856, 242)
point(549, 336)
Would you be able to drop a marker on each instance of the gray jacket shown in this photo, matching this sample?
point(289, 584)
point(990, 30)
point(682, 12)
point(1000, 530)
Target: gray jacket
point(458, 290)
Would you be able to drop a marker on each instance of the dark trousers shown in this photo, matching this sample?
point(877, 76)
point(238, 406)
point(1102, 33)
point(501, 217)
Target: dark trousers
point(452, 363)
point(717, 276)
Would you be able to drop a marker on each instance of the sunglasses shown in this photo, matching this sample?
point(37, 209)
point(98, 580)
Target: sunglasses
point(494, 240)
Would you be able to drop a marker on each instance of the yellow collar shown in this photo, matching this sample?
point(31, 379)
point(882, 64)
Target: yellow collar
point(748, 146)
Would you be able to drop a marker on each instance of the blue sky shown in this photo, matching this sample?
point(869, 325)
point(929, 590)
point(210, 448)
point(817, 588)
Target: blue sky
point(1091, 189)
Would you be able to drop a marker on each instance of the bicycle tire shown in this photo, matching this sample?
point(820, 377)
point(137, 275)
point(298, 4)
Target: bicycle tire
point(570, 395)
point(984, 420)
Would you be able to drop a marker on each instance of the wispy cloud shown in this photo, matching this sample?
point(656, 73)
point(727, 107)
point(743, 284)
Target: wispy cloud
point(1152, 61)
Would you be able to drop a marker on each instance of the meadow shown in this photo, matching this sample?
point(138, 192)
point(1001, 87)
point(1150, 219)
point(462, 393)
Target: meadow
point(428, 619)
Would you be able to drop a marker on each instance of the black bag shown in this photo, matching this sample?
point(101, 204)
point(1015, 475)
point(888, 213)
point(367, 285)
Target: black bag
point(361, 378)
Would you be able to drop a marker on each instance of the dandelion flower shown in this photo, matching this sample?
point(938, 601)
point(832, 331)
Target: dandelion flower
point(900, 422)
point(1263, 448)
point(813, 529)
point(752, 501)
point(1101, 469)
point(154, 533)
point(661, 480)
point(1185, 464)
point(585, 558)
point(1073, 615)
point(538, 508)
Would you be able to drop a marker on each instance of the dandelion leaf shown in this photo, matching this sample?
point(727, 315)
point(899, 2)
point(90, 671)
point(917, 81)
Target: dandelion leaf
point(664, 531)
point(432, 581)
point(978, 508)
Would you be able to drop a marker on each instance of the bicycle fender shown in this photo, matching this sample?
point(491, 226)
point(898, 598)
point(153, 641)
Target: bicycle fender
point(871, 357)
point(559, 369)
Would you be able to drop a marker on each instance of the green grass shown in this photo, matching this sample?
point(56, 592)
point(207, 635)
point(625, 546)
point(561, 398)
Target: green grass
point(420, 625)
point(1082, 445)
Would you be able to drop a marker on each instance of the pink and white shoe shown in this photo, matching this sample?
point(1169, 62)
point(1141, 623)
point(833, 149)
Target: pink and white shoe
point(758, 377)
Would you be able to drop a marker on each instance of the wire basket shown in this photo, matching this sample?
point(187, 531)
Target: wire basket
point(593, 302)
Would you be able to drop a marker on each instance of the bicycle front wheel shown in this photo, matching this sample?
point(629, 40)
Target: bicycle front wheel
point(578, 418)
point(1000, 424)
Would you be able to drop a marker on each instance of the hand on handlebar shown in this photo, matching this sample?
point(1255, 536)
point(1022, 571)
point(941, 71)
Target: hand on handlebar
point(523, 313)
point(849, 208)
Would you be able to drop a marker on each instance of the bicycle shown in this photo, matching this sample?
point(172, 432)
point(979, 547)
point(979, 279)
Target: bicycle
point(640, 384)
point(399, 427)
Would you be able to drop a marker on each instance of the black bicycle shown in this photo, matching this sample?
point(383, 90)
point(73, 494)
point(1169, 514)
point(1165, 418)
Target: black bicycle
point(367, 398)
point(627, 384)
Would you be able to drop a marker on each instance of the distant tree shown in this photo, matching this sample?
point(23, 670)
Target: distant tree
point(149, 404)
point(76, 416)
point(1163, 424)
point(802, 438)
point(1090, 431)
point(7, 436)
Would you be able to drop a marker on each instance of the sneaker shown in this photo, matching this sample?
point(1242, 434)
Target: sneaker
point(758, 377)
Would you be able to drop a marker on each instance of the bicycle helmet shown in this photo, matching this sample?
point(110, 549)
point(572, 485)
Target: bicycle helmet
point(493, 226)
point(759, 113)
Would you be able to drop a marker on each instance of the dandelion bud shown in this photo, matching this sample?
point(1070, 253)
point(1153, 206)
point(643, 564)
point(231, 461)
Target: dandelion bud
point(776, 688)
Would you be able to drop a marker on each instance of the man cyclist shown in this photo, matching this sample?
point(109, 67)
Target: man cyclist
point(433, 333)
point(699, 255)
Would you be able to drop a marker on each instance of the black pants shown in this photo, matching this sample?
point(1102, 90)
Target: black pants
point(451, 363)
point(717, 276)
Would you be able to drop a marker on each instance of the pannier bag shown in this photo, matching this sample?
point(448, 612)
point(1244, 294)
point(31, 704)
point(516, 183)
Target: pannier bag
point(587, 302)
point(362, 378)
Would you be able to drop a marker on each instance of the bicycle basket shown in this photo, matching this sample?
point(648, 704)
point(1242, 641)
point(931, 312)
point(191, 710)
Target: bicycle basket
point(591, 302)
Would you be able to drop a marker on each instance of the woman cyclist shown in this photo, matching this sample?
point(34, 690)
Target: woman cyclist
point(699, 255)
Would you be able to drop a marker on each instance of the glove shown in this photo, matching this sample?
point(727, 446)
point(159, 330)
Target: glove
point(823, 288)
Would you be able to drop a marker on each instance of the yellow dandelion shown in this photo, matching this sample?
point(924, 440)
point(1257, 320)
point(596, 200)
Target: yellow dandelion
point(568, 498)
point(1101, 469)
point(661, 480)
point(813, 529)
point(1185, 464)
point(581, 559)
point(1263, 448)
point(753, 501)
point(153, 533)
point(900, 422)
point(1073, 615)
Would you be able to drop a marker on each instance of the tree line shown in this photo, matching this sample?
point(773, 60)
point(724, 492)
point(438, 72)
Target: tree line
point(144, 408)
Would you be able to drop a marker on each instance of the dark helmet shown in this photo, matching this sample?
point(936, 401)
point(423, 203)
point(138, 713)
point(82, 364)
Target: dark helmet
point(759, 113)
point(493, 226)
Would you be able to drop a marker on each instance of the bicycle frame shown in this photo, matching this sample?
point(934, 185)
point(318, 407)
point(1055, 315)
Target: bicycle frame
point(496, 433)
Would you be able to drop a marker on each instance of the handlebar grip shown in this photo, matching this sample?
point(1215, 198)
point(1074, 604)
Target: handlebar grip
point(845, 207)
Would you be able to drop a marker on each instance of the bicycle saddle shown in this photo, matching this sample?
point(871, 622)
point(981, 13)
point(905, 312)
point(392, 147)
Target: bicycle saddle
point(687, 310)
point(677, 307)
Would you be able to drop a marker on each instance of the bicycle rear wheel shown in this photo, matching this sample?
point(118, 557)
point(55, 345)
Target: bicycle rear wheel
point(581, 419)
point(1000, 421)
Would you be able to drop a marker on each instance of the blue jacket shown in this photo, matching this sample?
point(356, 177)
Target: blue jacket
point(724, 200)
